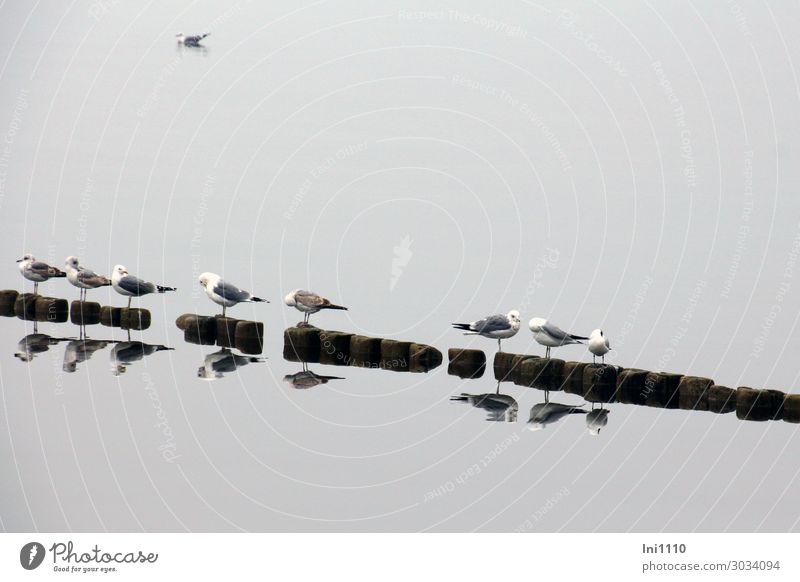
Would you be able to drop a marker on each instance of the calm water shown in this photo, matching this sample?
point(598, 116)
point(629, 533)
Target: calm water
point(421, 167)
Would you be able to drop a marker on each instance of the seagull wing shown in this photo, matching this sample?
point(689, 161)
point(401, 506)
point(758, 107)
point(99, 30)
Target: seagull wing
point(491, 323)
point(556, 333)
point(310, 299)
point(136, 286)
point(230, 292)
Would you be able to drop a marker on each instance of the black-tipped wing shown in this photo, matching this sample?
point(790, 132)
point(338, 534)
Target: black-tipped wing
point(136, 286)
point(491, 324)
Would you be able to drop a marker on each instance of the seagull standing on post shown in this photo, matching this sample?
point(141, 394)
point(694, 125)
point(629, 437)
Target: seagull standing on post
point(599, 344)
point(309, 302)
point(83, 278)
point(551, 336)
point(224, 293)
point(130, 286)
point(494, 327)
point(37, 271)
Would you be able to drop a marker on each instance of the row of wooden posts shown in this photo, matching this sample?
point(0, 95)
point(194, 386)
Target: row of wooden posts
point(32, 307)
point(607, 383)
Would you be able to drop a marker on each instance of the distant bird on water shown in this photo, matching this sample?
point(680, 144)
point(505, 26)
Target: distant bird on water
point(309, 302)
point(130, 286)
point(190, 40)
point(494, 326)
point(224, 293)
point(551, 336)
point(37, 271)
point(599, 344)
point(83, 278)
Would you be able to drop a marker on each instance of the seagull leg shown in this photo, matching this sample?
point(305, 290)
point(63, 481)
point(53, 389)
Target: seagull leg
point(594, 361)
point(499, 347)
point(35, 288)
point(223, 311)
point(129, 302)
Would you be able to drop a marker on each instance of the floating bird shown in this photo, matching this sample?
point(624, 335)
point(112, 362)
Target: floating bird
point(599, 344)
point(219, 363)
point(494, 327)
point(551, 336)
point(309, 302)
point(500, 407)
point(37, 271)
point(83, 278)
point(130, 286)
point(80, 350)
point(126, 353)
point(225, 294)
point(596, 419)
point(34, 344)
point(550, 412)
point(307, 379)
point(190, 40)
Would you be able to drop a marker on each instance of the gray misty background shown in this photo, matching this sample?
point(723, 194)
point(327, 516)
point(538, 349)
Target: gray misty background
point(618, 165)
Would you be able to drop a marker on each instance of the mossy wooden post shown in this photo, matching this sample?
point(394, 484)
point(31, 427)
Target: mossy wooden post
point(661, 390)
point(226, 331)
point(84, 312)
point(334, 348)
point(632, 386)
point(791, 408)
point(250, 337)
point(395, 355)
point(8, 298)
point(466, 363)
point(365, 351)
point(541, 373)
point(693, 392)
point(572, 377)
point(721, 399)
point(111, 316)
point(134, 318)
point(301, 344)
point(600, 382)
point(423, 358)
point(759, 405)
point(25, 305)
point(198, 329)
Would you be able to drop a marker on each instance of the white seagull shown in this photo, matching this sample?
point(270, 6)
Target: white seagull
point(190, 40)
point(309, 302)
point(83, 278)
point(224, 293)
point(130, 286)
point(494, 327)
point(595, 420)
point(551, 336)
point(37, 271)
point(599, 344)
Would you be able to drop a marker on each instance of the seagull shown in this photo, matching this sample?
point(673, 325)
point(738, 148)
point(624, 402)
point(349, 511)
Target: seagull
point(494, 327)
point(126, 353)
point(34, 344)
point(80, 350)
point(551, 336)
point(37, 271)
point(307, 379)
point(131, 286)
point(83, 278)
point(225, 294)
point(549, 412)
point(309, 302)
point(599, 344)
point(217, 364)
point(500, 407)
point(190, 40)
point(595, 420)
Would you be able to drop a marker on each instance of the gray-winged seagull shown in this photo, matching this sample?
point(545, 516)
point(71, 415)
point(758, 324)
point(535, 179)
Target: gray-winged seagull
point(190, 40)
point(599, 344)
point(83, 278)
point(494, 327)
point(224, 293)
point(551, 336)
point(309, 302)
point(37, 271)
point(130, 286)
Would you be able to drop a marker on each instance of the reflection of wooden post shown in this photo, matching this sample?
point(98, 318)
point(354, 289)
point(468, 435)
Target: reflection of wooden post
point(365, 351)
point(8, 298)
point(752, 404)
point(423, 358)
point(466, 363)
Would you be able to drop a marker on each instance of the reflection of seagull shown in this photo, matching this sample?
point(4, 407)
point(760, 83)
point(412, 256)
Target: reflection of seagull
point(126, 353)
point(220, 363)
point(494, 327)
point(78, 351)
point(549, 412)
point(596, 419)
point(309, 302)
point(190, 40)
point(83, 278)
point(34, 344)
point(224, 293)
point(37, 271)
point(307, 379)
point(500, 407)
point(551, 336)
point(130, 286)
point(599, 344)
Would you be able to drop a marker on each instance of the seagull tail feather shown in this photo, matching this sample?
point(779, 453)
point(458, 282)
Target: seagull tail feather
point(258, 300)
point(164, 289)
point(578, 337)
point(59, 273)
point(461, 326)
point(332, 306)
